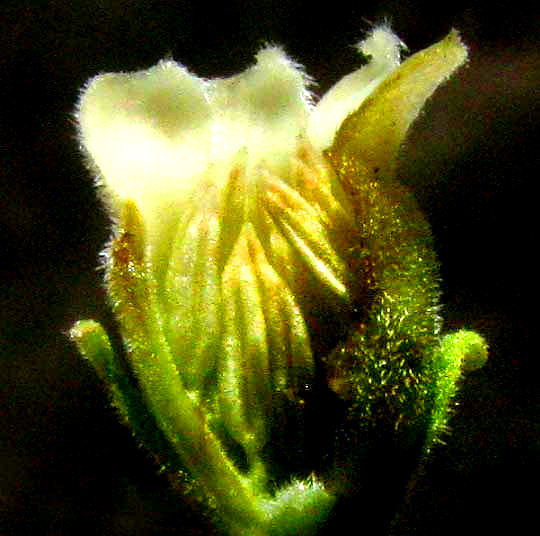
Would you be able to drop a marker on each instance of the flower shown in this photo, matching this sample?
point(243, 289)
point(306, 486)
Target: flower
point(255, 230)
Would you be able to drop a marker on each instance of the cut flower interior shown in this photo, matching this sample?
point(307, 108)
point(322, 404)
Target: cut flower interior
point(254, 231)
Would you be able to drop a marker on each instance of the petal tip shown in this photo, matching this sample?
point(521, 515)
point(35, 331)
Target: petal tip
point(382, 42)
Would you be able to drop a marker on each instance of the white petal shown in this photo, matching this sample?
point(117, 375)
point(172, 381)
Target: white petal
point(148, 134)
point(347, 95)
point(154, 135)
point(264, 108)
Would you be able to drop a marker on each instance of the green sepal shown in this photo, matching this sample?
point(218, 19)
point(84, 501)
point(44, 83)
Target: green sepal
point(394, 361)
point(298, 509)
point(458, 354)
point(94, 344)
point(373, 134)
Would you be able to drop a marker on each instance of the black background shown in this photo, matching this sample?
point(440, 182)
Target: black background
point(66, 465)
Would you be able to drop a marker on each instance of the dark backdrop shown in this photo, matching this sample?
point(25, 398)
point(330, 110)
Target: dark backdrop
point(66, 465)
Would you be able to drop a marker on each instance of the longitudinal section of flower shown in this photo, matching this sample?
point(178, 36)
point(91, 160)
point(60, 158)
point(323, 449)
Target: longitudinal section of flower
point(260, 274)
point(265, 234)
